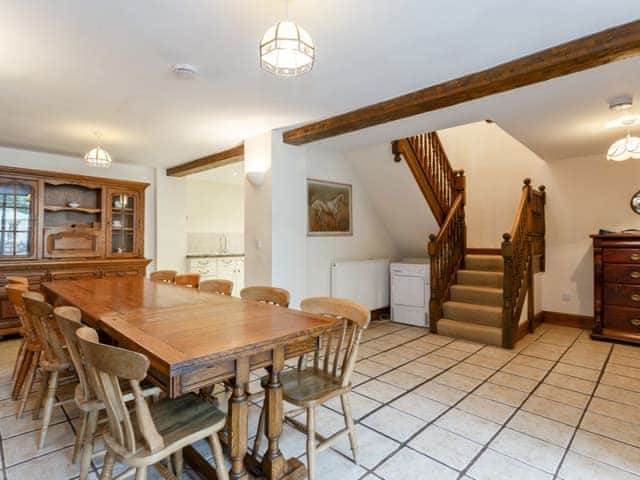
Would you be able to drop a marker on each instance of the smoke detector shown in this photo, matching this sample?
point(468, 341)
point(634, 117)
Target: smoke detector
point(184, 70)
point(621, 103)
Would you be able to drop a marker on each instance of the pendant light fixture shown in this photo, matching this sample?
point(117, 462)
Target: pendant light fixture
point(287, 50)
point(627, 148)
point(98, 157)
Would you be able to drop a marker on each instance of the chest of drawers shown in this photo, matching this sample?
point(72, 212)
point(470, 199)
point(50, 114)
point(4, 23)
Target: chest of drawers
point(616, 287)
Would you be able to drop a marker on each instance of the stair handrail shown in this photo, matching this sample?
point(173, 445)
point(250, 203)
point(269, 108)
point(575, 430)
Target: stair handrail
point(446, 250)
point(519, 246)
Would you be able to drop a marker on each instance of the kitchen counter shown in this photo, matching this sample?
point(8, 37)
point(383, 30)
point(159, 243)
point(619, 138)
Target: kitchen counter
point(214, 255)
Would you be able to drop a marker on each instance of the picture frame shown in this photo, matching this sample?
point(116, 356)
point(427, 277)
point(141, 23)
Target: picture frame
point(329, 208)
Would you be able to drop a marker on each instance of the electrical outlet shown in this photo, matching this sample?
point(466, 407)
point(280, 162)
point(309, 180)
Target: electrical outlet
point(566, 297)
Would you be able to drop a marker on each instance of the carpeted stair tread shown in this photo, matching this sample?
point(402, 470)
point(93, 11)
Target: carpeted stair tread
point(480, 278)
point(488, 263)
point(473, 313)
point(478, 295)
point(470, 331)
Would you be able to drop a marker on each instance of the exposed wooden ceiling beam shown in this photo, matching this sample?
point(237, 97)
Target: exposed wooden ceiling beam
point(233, 155)
point(604, 47)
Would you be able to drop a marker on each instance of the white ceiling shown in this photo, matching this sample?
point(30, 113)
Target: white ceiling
point(72, 67)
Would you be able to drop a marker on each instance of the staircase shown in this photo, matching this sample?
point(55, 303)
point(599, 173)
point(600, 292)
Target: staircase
point(478, 297)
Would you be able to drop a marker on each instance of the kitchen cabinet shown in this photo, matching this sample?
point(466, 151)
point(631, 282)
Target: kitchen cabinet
point(223, 267)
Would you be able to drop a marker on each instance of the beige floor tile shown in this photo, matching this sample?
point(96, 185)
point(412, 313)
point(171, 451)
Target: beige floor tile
point(486, 361)
point(421, 369)
point(371, 368)
point(436, 360)
point(24, 447)
point(11, 426)
point(377, 390)
point(409, 464)
point(466, 346)
point(473, 371)
point(421, 407)
point(615, 410)
point(534, 362)
point(468, 425)
point(372, 447)
point(529, 450)
point(570, 383)
point(569, 397)
point(439, 340)
point(394, 423)
point(401, 379)
point(54, 466)
point(452, 353)
point(514, 381)
point(543, 428)
point(358, 378)
point(457, 381)
point(616, 394)
point(388, 359)
point(618, 454)
point(545, 351)
point(553, 410)
point(421, 346)
point(624, 370)
point(407, 353)
point(613, 428)
point(440, 393)
point(445, 446)
point(623, 359)
point(494, 466)
point(328, 422)
point(501, 394)
point(487, 409)
point(579, 467)
point(524, 371)
point(578, 372)
point(331, 464)
point(619, 381)
point(360, 406)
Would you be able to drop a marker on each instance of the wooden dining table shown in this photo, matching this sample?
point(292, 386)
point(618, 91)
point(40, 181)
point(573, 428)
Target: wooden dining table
point(195, 339)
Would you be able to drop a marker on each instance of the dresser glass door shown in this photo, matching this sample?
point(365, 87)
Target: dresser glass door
point(123, 224)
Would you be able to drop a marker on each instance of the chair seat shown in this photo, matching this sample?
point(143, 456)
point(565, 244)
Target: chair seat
point(179, 422)
point(308, 387)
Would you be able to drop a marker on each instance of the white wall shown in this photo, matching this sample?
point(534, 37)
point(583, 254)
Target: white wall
point(66, 164)
point(214, 207)
point(171, 222)
point(495, 165)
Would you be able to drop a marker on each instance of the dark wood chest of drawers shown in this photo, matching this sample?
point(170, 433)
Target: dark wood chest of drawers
point(616, 287)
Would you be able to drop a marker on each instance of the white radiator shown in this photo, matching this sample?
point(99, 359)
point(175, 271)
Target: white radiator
point(364, 281)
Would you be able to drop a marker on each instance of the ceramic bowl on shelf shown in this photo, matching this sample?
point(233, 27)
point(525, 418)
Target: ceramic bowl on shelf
point(73, 204)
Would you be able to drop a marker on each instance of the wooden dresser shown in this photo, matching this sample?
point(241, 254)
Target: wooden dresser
point(62, 226)
point(616, 287)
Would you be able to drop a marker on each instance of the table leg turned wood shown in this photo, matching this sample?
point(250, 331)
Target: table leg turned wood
point(239, 420)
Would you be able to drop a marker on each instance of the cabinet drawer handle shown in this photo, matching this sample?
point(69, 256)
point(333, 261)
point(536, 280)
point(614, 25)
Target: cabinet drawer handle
point(635, 256)
point(635, 322)
point(635, 297)
point(635, 274)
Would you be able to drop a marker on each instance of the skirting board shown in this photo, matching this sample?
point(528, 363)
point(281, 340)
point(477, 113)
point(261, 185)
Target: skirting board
point(568, 319)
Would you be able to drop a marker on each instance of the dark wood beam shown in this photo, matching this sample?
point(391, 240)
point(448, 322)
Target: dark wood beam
point(233, 155)
point(604, 47)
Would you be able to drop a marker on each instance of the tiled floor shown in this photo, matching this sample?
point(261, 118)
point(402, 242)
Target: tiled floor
point(560, 406)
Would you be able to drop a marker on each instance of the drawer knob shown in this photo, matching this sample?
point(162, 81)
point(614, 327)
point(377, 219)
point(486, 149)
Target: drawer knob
point(635, 274)
point(635, 322)
point(635, 256)
point(635, 297)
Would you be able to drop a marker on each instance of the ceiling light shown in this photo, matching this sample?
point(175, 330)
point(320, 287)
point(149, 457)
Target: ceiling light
point(626, 148)
point(98, 157)
point(184, 70)
point(287, 50)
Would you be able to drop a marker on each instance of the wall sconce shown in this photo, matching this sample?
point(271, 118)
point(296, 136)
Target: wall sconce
point(256, 178)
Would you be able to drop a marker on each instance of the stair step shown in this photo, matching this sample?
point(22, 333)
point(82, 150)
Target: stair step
point(479, 295)
point(470, 331)
point(487, 263)
point(480, 278)
point(473, 313)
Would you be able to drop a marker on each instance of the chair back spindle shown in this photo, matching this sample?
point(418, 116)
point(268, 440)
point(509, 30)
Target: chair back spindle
point(70, 321)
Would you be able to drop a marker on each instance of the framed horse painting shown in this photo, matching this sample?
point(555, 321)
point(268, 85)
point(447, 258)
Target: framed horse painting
point(329, 208)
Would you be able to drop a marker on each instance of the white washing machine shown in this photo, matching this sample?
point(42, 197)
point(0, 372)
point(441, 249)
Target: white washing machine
point(410, 292)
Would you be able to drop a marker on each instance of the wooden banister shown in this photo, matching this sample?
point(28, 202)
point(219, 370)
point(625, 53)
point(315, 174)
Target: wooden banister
point(523, 255)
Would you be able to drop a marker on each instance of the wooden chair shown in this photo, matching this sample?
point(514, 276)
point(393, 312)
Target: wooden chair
point(69, 321)
point(16, 279)
point(155, 432)
point(30, 350)
point(221, 287)
point(53, 361)
point(328, 378)
point(13, 280)
point(191, 280)
point(166, 276)
point(272, 295)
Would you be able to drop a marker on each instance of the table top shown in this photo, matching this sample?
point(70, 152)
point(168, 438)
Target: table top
point(179, 326)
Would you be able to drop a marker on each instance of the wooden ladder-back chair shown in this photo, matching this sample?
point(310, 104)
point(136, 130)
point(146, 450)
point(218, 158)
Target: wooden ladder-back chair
point(166, 276)
point(272, 295)
point(152, 432)
point(191, 280)
point(70, 321)
point(29, 353)
point(329, 377)
point(53, 361)
point(219, 286)
point(13, 280)
point(17, 279)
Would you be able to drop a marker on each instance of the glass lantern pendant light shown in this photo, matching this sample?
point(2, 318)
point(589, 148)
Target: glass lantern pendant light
point(98, 157)
point(627, 148)
point(287, 50)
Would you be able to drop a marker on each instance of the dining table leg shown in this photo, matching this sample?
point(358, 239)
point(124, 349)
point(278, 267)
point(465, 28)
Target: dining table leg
point(239, 420)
